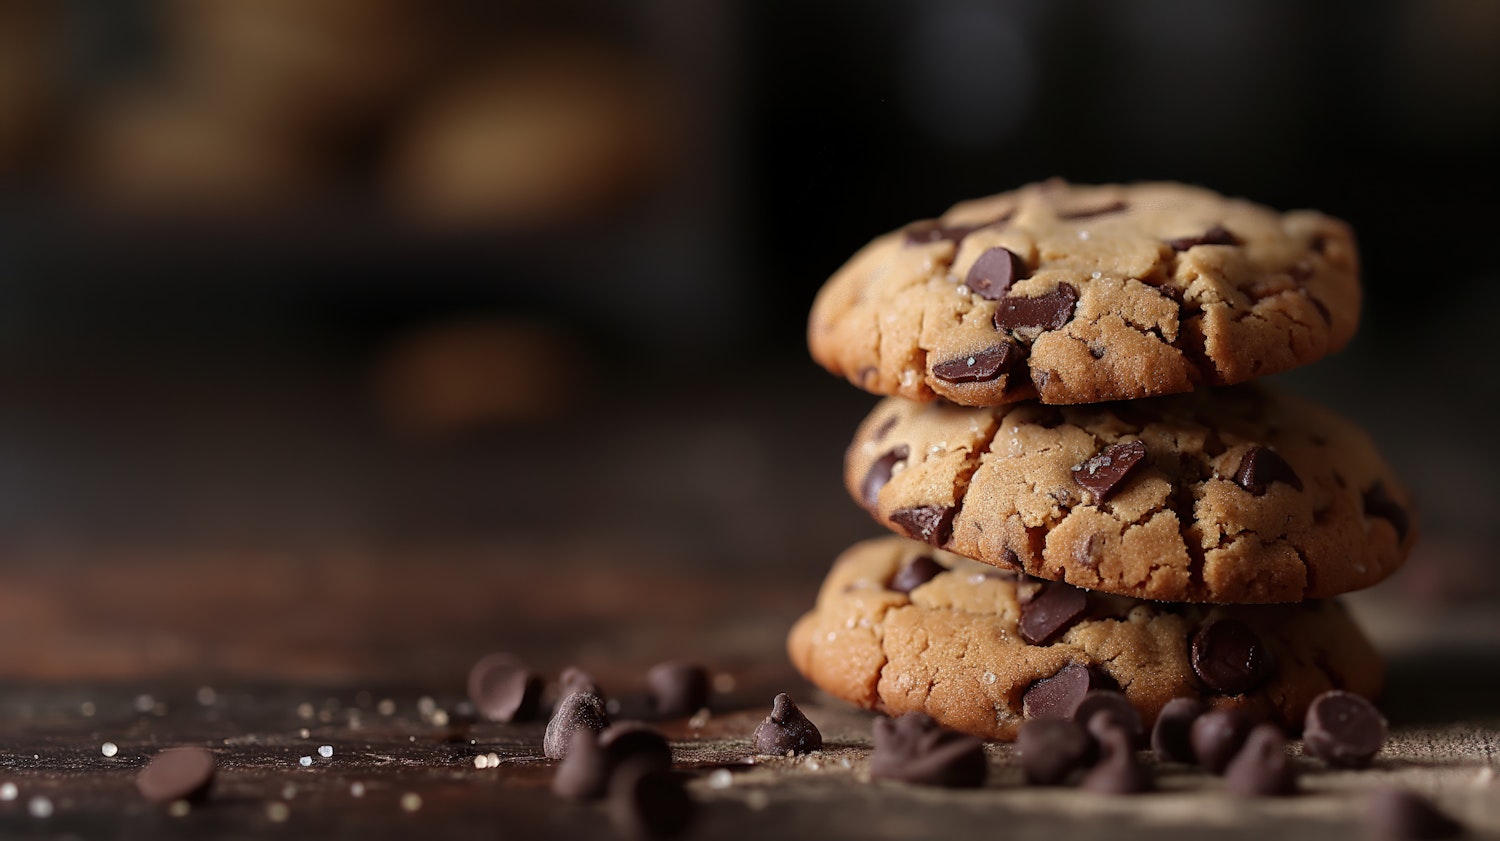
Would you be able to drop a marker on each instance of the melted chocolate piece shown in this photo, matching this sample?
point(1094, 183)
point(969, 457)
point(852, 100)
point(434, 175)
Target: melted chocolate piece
point(1106, 471)
point(1059, 696)
point(1216, 235)
point(1051, 612)
point(1050, 311)
point(1262, 466)
point(1229, 657)
point(1090, 212)
point(880, 474)
point(994, 271)
point(930, 523)
point(979, 366)
point(916, 572)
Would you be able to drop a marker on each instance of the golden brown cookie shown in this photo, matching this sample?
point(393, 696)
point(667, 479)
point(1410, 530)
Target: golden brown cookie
point(900, 627)
point(1077, 294)
point(1232, 495)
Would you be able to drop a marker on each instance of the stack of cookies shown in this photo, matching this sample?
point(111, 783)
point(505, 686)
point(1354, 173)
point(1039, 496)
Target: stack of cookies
point(1086, 493)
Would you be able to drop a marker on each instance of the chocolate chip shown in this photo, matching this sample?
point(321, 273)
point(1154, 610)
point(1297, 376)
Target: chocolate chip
point(1262, 466)
point(994, 271)
point(1051, 612)
point(631, 741)
point(1117, 771)
point(884, 429)
point(1217, 736)
point(1378, 503)
point(583, 773)
point(1343, 729)
point(1106, 471)
point(574, 679)
point(1169, 736)
point(915, 749)
point(1059, 696)
point(579, 711)
point(1049, 311)
point(1105, 707)
point(916, 572)
point(1261, 768)
point(1397, 813)
point(679, 688)
point(646, 802)
point(503, 689)
point(176, 774)
point(1089, 212)
point(1229, 657)
point(930, 523)
point(1216, 235)
point(880, 474)
point(786, 729)
point(928, 231)
point(1052, 749)
point(979, 366)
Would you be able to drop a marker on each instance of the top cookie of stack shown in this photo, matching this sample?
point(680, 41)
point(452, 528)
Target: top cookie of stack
point(1077, 294)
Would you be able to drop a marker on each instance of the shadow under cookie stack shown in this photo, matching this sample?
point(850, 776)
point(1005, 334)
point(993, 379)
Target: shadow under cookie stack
point(1094, 512)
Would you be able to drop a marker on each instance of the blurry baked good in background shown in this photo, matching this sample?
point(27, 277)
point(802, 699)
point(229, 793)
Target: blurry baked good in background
point(29, 49)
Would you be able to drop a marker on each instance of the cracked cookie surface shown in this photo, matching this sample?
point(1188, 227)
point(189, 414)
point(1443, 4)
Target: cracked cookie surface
point(1079, 294)
point(1233, 495)
point(951, 641)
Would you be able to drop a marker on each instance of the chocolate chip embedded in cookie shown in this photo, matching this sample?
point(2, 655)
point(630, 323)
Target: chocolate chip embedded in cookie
point(1231, 495)
point(953, 648)
point(1077, 294)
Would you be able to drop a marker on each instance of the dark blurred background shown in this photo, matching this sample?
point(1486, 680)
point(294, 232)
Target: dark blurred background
point(309, 306)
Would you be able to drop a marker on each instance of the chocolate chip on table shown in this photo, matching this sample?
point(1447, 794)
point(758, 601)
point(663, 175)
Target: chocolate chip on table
point(1260, 467)
point(1229, 658)
point(915, 749)
point(1397, 813)
point(916, 572)
point(679, 688)
point(503, 689)
point(1059, 696)
point(583, 773)
point(1117, 771)
point(1378, 503)
point(994, 271)
point(1106, 707)
point(1105, 472)
point(1218, 735)
point(929, 523)
point(1343, 729)
point(1170, 735)
point(880, 474)
point(1217, 235)
point(1050, 311)
point(176, 774)
point(646, 802)
point(1261, 768)
point(1052, 749)
point(578, 711)
point(574, 679)
point(979, 366)
point(786, 729)
point(1051, 612)
point(632, 740)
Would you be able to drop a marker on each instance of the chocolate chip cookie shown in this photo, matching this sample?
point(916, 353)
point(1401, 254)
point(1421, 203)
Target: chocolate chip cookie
point(1078, 294)
point(900, 627)
point(1234, 495)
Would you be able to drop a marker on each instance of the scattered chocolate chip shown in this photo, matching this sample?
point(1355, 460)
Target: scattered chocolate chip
point(176, 774)
point(1059, 696)
point(1378, 503)
point(1106, 471)
point(574, 679)
point(1343, 729)
point(1052, 749)
point(930, 523)
point(1117, 771)
point(1051, 612)
point(1260, 467)
point(1050, 311)
point(1216, 235)
point(979, 366)
point(1261, 768)
point(1106, 707)
point(1217, 736)
point(1229, 657)
point(646, 802)
point(880, 474)
point(786, 729)
point(503, 689)
point(631, 741)
point(915, 749)
point(679, 688)
point(994, 271)
point(916, 572)
point(1089, 212)
point(579, 711)
point(1402, 815)
point(1169, 737)
point(583, 773)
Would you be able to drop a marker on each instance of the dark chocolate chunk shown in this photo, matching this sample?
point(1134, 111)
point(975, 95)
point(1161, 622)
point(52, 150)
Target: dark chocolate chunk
point(994, 271)
point(880, 474)
point(1059, 696)
point(177, 774)
point(1229, 658)
point(1169, 736)
point(1118, 771)
point(915, 749)
point(1261, 768)
point(1106, 471)
point(679, 688)
point(1378, 503)
point(579, 711)
point(646, 802)
point(930, 523)
point(1262, 466)
point(979, 366)
point(1106, 707)
point(574, 679)
point(1343, 729)
point(633, 741)
point(503, 689)
point(1051, 612)
point(786, 729)
point(928, 231)
point(583, 773)
point(1217, 736)
point(1216, 235)
point(1090, 212)
point(1050, 311)
point(1402, 815)
point(1052, 749)
point(916, 572)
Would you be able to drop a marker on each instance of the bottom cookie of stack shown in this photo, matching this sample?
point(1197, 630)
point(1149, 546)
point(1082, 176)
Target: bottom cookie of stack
point(900, 627)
